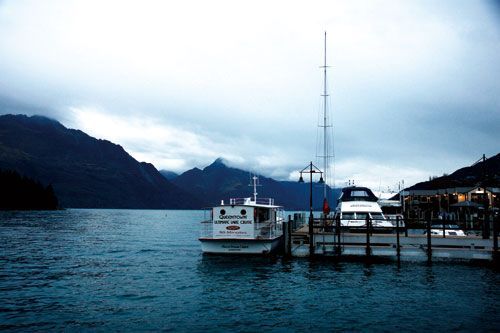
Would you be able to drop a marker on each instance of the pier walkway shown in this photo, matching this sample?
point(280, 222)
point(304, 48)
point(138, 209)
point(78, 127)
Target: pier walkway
point(404, 247)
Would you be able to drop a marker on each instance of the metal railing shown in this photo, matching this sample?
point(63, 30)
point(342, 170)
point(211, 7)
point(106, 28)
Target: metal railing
point(207, 229)
point(245, 201)
point(268, 230)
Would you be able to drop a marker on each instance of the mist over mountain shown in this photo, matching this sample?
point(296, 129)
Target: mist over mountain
point(218, 182)
point(84, 172)
point(169, 174)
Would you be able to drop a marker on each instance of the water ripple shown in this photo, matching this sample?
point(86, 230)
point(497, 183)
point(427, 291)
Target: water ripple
point(128, 270)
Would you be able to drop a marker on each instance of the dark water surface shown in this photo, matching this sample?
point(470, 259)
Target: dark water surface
point(139, 270)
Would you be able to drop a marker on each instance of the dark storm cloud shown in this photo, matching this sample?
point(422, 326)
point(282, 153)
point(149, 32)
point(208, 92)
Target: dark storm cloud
point(410, 83)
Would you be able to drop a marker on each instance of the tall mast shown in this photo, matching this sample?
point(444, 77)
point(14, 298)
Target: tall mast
point(325, 143)
point(326, 132)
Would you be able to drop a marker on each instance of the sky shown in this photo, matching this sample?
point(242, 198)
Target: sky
point(413, 85)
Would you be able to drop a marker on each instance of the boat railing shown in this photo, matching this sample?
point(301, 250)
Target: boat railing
point(207, 229)
point(268, 230)
point(246, 201)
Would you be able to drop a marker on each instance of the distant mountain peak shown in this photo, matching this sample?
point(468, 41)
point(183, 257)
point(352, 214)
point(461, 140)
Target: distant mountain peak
point(219, 160)
point(219, 181)
point(218, 163)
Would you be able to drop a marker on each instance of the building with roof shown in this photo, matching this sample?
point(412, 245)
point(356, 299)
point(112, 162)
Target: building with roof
point(467, 204)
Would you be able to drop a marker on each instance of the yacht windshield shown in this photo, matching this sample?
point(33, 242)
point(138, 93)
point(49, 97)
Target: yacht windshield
point(377, 216)
point(359, 194)
point(361, 216)
point(348, 216)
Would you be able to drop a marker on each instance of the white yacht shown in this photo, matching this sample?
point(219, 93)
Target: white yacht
point(391, 208)
point(449, 230)
point(244, 225)
point(355, 205)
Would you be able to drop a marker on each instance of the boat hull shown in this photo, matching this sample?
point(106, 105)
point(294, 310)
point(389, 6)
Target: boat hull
point(240, 246)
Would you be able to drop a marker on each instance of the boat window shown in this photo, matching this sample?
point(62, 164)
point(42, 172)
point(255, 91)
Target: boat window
point(452, 233)
point(377, 216)
point(262, 215)
point(348, 216)
point(222, 211)
point(359, 194)
point(243, 212)
point(361, 216)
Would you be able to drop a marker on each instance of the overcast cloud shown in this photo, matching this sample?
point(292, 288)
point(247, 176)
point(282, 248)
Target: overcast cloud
point(414, 85)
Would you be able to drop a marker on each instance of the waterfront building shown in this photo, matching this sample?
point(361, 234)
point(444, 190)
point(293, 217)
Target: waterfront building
point(467, 204)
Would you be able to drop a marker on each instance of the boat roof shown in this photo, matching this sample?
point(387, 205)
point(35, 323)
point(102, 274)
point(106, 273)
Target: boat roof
point(357, 193)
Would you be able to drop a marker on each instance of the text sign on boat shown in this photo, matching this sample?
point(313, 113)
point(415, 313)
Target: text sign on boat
point(233, 222)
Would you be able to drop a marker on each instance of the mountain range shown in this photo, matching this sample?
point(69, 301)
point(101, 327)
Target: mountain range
point(86, 172)
point(219, 181)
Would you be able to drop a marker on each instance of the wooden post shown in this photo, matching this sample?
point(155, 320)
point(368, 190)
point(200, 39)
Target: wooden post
point(311, 236)
point(429, 245)
point(285, 237)
point(288, 237)
point(495, 235)
point(368, 248)
point(398, 249)
point(486, 226)
point(337, 235)
point(337, 232)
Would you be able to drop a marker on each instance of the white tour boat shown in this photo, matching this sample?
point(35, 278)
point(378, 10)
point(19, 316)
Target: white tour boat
point(245, 225)
point(355, 204)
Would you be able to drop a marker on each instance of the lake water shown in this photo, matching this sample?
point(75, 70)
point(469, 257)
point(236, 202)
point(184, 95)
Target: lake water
point(142, 270)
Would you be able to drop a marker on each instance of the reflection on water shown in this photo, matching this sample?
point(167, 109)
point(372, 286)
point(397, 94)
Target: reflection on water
point(135, 270)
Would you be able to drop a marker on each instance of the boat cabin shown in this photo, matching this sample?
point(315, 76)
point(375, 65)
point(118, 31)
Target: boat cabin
point(244, 218)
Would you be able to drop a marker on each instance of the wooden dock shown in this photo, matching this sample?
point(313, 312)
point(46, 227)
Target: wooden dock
point(409, 247)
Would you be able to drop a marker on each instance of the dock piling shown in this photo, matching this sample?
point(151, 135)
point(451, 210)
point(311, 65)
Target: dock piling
point(486, 226)
point(495, 234)
point(311, 235)
point(398, 248)
point(338, 247)
point(368, 248)
point(429, 245)
point(288, 236)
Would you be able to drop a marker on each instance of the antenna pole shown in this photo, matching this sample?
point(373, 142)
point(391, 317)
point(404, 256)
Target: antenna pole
point(254, 188)
point(324, 122)
point(325, 141)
